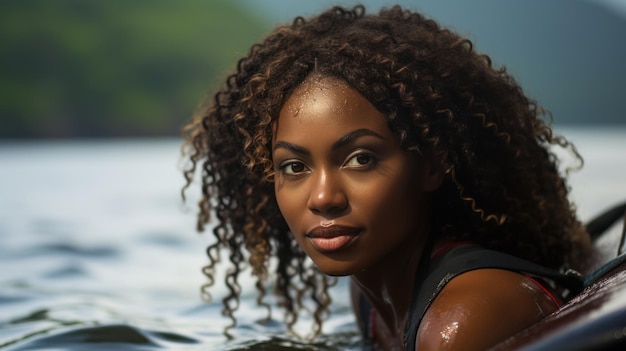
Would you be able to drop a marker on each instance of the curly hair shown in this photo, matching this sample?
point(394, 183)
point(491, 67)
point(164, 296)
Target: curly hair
point(502, 187)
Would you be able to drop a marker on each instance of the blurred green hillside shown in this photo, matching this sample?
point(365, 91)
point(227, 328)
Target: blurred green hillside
point(114, 68)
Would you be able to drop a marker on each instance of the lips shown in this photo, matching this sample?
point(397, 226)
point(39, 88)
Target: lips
point(333, 238)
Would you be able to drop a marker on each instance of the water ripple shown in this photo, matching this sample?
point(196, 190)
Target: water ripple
point(67, 249)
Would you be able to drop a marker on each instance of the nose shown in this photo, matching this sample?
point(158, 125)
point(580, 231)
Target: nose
point(327, 194)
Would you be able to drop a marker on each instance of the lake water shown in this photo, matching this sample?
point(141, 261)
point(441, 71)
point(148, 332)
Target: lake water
point(98, 252)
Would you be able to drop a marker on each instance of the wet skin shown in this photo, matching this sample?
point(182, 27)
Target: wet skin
point(355, 201)
point(345, 187)
point(358, 205)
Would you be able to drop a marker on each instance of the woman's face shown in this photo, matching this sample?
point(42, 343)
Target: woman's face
point(350, 195)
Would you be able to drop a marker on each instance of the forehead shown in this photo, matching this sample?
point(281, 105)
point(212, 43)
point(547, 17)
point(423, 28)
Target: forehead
point(328, 101)
point(322, 93)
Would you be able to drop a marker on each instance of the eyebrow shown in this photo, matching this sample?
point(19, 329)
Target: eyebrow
point(344, 140)
point(291, 147)
point(348, 138)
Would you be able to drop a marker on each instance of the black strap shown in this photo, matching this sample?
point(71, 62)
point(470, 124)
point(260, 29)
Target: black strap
point(606, 219)
point(470, 257)
point(365, 311)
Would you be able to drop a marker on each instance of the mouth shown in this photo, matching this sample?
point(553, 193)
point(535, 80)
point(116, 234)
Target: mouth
point(332, 238)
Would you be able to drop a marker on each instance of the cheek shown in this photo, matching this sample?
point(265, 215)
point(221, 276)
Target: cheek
point(394, 207)
point(287, 204)
point(280, 199)
point(396, 204)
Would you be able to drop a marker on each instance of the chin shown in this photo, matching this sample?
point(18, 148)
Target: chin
point(336, 273)
point(337, 268)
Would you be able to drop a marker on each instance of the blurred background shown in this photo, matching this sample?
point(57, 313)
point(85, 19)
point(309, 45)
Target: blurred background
point(97, 249)
point(90, 68)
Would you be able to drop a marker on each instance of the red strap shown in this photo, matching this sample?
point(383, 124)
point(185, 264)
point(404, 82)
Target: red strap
point(450, 246)
point(373, 323)
point(459, 243)
point(545, 291)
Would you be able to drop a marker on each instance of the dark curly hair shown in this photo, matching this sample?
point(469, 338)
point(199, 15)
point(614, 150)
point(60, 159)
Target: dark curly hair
point(502, 187)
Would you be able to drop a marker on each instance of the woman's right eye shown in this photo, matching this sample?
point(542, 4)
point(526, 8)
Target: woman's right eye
point(293, 168)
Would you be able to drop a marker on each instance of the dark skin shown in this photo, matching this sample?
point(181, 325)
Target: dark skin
point(473, 312)
point(358, 205)
point(345, 173)
point(468, 313)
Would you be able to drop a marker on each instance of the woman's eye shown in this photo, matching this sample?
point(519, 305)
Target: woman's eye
point(293, 168)
point(360, 160)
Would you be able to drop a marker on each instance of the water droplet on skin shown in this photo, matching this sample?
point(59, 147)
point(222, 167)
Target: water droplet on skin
point(449, 332)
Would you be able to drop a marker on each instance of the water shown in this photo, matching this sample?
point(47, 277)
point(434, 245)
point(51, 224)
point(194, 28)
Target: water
point(98, 252)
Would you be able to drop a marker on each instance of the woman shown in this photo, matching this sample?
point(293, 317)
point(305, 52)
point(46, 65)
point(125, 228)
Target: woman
point(384, 147)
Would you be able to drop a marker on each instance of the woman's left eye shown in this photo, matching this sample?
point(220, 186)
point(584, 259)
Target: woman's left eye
point(360, 160)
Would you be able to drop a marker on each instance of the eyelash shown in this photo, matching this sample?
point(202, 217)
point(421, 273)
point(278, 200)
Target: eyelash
point(285, 165)
point(284, 168)
point(372, 160)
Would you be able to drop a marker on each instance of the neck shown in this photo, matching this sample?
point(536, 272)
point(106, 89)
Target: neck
point(389, 284)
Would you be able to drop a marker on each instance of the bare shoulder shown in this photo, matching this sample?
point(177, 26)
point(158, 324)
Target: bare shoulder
point(480, 308)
